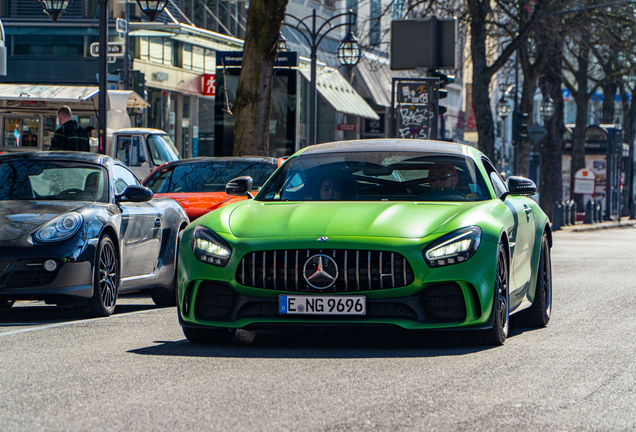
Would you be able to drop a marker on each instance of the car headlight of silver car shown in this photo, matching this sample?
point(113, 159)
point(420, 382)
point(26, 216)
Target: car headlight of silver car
point(60, 228)
point(209, 247)
point(453, 248)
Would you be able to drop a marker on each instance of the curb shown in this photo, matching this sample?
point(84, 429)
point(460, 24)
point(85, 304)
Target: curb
point(598, 226)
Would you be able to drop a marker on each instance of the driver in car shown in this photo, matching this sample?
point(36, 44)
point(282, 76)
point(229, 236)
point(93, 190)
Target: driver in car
point(442, 178)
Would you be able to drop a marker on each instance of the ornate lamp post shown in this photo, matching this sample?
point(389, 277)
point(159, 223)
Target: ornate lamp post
point(282, 43)
point(55, 8)
point(348, 53)
point(546, 109)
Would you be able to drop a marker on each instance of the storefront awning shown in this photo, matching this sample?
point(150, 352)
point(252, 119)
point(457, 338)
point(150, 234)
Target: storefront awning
point(51, 97)
point(335, 89)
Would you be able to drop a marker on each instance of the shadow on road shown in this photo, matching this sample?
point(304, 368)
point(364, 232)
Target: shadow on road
point(28, 313)
point(328, 343)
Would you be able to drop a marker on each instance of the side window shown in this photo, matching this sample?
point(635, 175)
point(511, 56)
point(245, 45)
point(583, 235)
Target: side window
point(495, 179)
point(123, 149)
point(122, 178)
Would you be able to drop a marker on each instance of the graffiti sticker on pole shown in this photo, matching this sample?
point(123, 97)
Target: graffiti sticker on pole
point(415, 108)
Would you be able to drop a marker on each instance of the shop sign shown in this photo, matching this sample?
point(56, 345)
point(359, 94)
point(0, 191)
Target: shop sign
point(584, 182)
point(347, 127)
point(208, 84)
point(235, 59)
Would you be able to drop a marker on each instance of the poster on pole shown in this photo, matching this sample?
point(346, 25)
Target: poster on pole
point(584, 182)
point(415, 109)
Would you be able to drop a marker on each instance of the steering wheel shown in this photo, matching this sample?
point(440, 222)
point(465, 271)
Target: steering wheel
point(75, 194)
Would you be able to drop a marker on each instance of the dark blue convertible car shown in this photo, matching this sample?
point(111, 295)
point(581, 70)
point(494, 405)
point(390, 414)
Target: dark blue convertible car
point(78, 229)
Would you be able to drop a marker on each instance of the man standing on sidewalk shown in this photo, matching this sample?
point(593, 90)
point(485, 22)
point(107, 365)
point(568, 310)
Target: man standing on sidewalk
point(70, 135)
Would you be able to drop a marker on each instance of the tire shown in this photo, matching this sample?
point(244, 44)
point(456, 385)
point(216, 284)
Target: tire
point(6, 304)
point(538, 315)
point(105, 280)
point(213, 336)
point(498, 334)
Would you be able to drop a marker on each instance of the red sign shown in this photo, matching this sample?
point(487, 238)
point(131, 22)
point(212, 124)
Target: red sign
point(208, 84)
point(347, 127)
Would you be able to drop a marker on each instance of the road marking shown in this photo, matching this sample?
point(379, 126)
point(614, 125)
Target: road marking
point(75, 322)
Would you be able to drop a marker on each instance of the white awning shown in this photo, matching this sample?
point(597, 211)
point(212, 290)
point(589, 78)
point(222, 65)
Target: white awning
point(50, 97)
point(338, 92)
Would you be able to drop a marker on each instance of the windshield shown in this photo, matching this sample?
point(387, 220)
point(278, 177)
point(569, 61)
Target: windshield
point(29, 179)
point(208, 176)
point(376, 176)
point(162, 149)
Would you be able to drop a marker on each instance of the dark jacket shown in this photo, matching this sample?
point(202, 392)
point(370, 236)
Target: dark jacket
point(70, 136)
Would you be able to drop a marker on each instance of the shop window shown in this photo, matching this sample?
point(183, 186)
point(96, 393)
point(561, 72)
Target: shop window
point(21, 132)
point(144, 48)
point(187, 56)
point(198, 58)
point(210, 61)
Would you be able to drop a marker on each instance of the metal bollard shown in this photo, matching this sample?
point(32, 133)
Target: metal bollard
point(588, 213)
point(557, 216)
point(573, 210)
point(566, 213)
point(599, 212)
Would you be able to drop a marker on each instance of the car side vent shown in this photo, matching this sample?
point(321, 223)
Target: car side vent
point(443, 303)
point(358, 270)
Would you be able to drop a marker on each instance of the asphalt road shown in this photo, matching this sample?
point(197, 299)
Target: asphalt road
point(134, 371)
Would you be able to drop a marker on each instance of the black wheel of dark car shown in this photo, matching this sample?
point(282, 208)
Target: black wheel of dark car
point(204, 335)
point(500, 309)
point(6, 304)
point(538, 315)
point(74, 194)
point(105, 280)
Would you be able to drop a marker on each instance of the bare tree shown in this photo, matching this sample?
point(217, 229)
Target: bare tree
point(253, 97)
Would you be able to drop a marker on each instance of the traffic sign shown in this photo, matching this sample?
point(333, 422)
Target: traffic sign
point(115, 49)
point(536, 132)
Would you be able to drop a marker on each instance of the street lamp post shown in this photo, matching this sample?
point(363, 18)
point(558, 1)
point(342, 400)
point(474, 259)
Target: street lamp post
point(55, 8)
point(348, 53)
point(503, 111)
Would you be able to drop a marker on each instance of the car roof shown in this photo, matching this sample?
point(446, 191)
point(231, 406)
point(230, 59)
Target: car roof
point(140, 131)
point(389, 145)
point(88, 157)
point(211, 159)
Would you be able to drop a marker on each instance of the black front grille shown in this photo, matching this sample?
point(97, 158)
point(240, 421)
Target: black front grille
point(26, 274)
point(358, 270)
point(444, 303)
point(214, 302)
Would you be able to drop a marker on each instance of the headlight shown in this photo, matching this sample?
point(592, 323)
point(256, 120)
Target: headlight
point(209, 247)
point(60, 228)
point(454, 248)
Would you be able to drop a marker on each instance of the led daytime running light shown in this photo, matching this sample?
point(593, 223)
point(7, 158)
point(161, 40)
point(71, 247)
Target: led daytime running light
point(212, 248)
point(209, 248)
point(454, 248)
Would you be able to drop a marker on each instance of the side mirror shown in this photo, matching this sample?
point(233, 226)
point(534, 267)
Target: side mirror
point(239, 186)
point(134, 193)
point(521, 186)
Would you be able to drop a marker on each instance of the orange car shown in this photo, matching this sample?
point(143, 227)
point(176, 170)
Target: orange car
point(198, 184)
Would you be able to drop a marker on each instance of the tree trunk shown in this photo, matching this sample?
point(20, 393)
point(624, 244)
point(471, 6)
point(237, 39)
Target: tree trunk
point(254, 94)
point(609, 92)
point(551, 181)
point(478, 11)
point(578, 137)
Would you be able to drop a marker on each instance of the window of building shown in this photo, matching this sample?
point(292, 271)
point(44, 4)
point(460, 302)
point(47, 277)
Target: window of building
point(210, 61)
point(198, 59)
point(375, 28)
point(49, 46)
point(186, 56)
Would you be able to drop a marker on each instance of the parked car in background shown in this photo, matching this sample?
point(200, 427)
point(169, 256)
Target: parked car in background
point(198, 184)
point(415, 234)
point(78, 229)
point(142, 149)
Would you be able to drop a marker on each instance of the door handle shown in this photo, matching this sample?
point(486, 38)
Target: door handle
point(528, 210)
point(157, 222)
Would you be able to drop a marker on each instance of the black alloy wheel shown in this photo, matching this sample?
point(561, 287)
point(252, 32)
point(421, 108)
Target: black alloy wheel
point(498, 334)
point(538, 315)
point(106, 280)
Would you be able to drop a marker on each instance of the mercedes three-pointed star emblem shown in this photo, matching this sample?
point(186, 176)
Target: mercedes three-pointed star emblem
point(321, 271)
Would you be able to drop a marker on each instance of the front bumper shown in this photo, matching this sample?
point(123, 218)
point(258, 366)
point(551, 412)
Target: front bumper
point(23, 276)
point(455, 296)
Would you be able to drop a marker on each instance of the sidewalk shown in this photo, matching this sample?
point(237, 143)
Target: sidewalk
point(625, 222)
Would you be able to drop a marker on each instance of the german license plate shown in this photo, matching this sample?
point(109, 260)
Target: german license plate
point(322, 305)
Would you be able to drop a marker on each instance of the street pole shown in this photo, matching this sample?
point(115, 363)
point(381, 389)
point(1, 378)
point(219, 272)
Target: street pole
point(126, 58)
point(314, 39)
point(516, 100)
point(103, 75)
point(313, 97)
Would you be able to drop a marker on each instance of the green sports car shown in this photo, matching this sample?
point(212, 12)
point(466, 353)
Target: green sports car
point(417, 234)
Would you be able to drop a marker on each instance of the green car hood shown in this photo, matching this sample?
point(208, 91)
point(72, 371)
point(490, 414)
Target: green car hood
point(376, 219)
